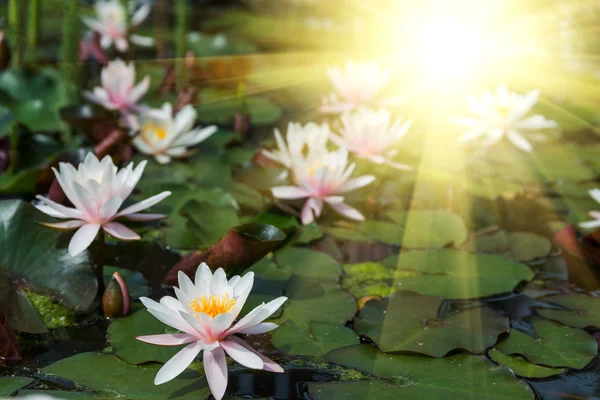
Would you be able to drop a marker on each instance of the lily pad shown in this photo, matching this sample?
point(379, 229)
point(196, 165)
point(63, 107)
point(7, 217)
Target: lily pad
point(108, 374)
point(444, 273)
point(122, 333)
point(10, 384)
point(309, 264)
point(409, 322)
point(368, 279)
point(37, 257)
point(522, 367)
point(217, 110)
point(556, 345)
point(382, 231)
point(208, 222)
point(457, 377)
point(522, 246)
point(582, 310)
point(321, 339)
point(431, 229)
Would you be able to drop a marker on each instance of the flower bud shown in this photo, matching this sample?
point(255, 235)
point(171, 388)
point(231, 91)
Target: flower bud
point(115, 301)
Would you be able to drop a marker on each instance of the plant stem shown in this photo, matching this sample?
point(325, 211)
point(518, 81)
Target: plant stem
point(34, 22)
point(70, 53)
point(181, 26)
point(13, 13)
point(100, 263)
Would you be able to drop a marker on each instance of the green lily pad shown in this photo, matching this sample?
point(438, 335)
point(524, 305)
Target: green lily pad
point(368, 279)
point(381, 231)
point(582, 310)
point(556, 345)
point(206, 45)
point(208, 222)
point(309, 233)
point(36, 256)
point(347, 234)
point(22, 182)
point(6, 120)
point(110, 375)
point(444, 273)
point(122, 333)
point(217, 110)
point(522, 367)
point(409, 322)
point(321, 338)
point(522, 246)
point(431, 229)
point(10, 384)
point(457, 377)
point(309, 264)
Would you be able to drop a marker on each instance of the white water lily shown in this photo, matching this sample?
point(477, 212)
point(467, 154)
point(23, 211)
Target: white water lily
point(204, 311)
point(595, 222)
point(310, 138)
point(370, 134)
point(356, 84)
point(323, 179)
point(112, 25)
point(165, 137)
point(504, 114)
point(118, 90)
point(97, 189)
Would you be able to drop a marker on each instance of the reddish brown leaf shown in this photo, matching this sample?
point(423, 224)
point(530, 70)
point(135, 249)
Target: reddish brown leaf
point(241, 247)
point(10, 351)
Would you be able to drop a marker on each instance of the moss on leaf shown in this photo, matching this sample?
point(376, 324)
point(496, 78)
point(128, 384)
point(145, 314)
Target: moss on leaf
point(53, 314)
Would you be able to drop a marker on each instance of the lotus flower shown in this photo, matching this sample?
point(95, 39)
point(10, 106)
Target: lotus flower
point(595, 223)
point(97, 190)
point(310, 137)
point(503, 114)
point(367, 134)
point(323, 178)
point(204, 312)
point(111, 24)
point(357, 84)
point(118, 91)
point(165, 137)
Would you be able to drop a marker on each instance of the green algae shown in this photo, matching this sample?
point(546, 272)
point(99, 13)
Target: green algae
point(53, 314)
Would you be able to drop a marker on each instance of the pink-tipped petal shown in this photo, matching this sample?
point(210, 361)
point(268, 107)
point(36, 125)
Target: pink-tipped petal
point(307, 213)
point(144, 217)
point(168, 339)
point(356, 183)
point(82, 239)
point(241, 354)
point(215, 367)
point(268, 364)
point(64, 226)
point(178, 363)
point(142, 205)
point(263, 327)
point(289, 192)
point(120, 231)
point(347, 211)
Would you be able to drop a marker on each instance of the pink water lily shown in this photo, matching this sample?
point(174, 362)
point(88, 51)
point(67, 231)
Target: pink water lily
point(356, 84)
point(97, 189)
point(300, 138)
point(118, 91)
point(323, 179)
point(111, 24)
point(504, 114)
point(204, 311)
point(370, 134)
point(595, 222)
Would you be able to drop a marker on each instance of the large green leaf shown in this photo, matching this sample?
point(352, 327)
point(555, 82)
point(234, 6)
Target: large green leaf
point(409, 322)
point(581, 311)
point(222, 109)
point(432, 229)
point(321, 338)
point(122, 333)
point(10, 384)
point(36, 257)
point(522, 367)
point(555, 346)
point(309, 264)
point(522, 246)
point(108, 374)
point(208, 222)
point(457, 377)
point(456, 274)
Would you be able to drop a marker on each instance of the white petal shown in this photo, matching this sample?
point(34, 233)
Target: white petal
point(590, 224)
point(289, 192)
point(140, 15)
point(144, 41)
point(268, 364)
point(142, 205)
point(356, 183)
point(196, 136)
point(241, 355)
point(203, 274)
point(518, 140)
point(110, 208)
point(184, 120)
point(347, 211)
point(162, 158)
point(59, 209)
point(186, 284)
point(258, 315)
point(64, 226)
point(178, 363)
point(167, 316)
point(215, 367)
point(120, 231)
point(50, 211)
point(595, 193)
point(218, 283)
point(168, 339)
point(259, 328)
point(82, 239)
point(138, 91)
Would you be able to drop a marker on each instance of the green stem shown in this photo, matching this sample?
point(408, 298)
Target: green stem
point(14, 148)
point(34, 22)
point(181, 28)
point(15, 24)
point(100, 262)
point(13, 13)
point(70, 52)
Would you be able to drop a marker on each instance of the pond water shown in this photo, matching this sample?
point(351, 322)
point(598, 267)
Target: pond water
point(306, 200)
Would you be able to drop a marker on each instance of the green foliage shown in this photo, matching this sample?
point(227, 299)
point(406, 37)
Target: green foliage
point(581, 311)
point(522, 367)
point(431, 229)
point(53, 314)
point(10, 384)
point(321, 339)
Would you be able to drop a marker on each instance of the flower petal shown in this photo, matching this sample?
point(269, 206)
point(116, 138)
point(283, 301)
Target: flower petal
point(347, 211)
point(120, 231)
point(355, 183)
point(82, 239)
point(167, 316)
point(595, 193)
point(258, 315)
point(268, 364)
point(110, 208)
point(595, 223)
point(59, 209)
point(144, 217)
point(178, 363)
point(64, 226)
point(518, 140)
point(168, 339)
point(142, 205)
point(263, 327)
point(241, 354)
point(215, 367)
point(289, 192)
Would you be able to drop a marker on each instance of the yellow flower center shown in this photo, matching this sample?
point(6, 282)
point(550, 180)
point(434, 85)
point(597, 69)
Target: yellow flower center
point(213, 305)
point(152, 128)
